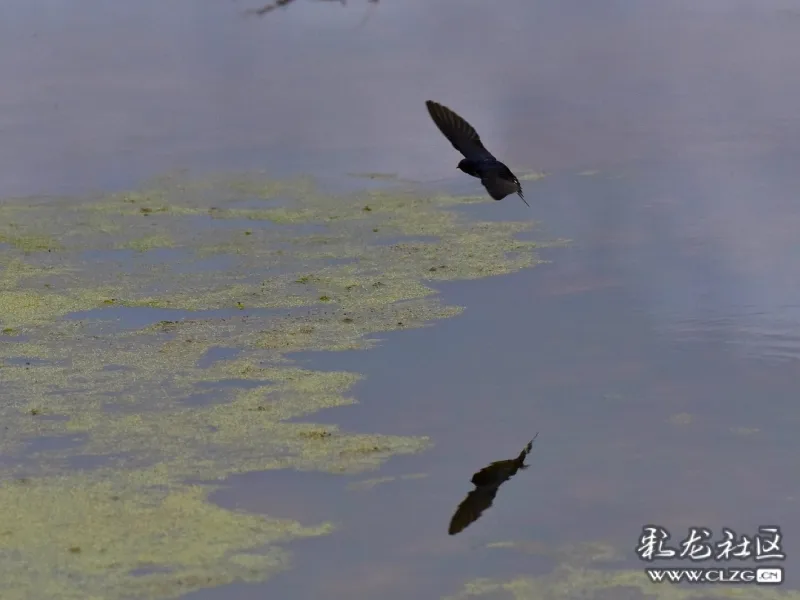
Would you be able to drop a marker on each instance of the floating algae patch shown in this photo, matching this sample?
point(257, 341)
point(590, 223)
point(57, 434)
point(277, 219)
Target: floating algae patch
point(369, 484)
point(385, 176)
point(148, 242)
point(570, 583)
point(77, 550)
point(531, 175)
point(321, 277)
point(586, 572)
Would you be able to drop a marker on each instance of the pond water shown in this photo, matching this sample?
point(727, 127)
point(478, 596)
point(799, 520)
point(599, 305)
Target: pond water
point(655, 347)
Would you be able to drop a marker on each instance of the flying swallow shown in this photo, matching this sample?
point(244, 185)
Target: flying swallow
point(497, 178)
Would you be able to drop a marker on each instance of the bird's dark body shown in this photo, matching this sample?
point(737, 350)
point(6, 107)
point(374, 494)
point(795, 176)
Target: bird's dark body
point(479, 169)
point(496, 177)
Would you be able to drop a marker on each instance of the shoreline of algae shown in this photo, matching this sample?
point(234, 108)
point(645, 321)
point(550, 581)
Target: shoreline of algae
point(597, 571)
point(108, 514)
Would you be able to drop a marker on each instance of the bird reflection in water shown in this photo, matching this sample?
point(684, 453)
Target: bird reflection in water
point(487, 481)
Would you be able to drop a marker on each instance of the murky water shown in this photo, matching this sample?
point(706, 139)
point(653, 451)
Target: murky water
point(657, 354)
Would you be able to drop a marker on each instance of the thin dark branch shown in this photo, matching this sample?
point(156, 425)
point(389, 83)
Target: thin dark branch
point(267, 8)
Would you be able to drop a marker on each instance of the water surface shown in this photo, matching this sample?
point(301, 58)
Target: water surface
point(657, 354)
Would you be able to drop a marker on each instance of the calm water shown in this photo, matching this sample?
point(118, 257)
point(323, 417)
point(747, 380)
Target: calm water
point(658, 354)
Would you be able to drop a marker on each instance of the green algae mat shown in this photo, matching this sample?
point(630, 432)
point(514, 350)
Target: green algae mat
point(146, 344)
point(145, 355)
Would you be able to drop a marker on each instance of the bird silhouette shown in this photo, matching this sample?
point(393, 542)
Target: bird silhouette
point(497, 178)
point(487, 482)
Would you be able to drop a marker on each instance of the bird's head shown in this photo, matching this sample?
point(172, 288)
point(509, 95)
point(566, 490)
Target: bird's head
point(466, 166)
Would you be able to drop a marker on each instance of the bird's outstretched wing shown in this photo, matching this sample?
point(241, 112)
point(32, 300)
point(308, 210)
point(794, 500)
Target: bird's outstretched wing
point(471, 508)
point(460, 133)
